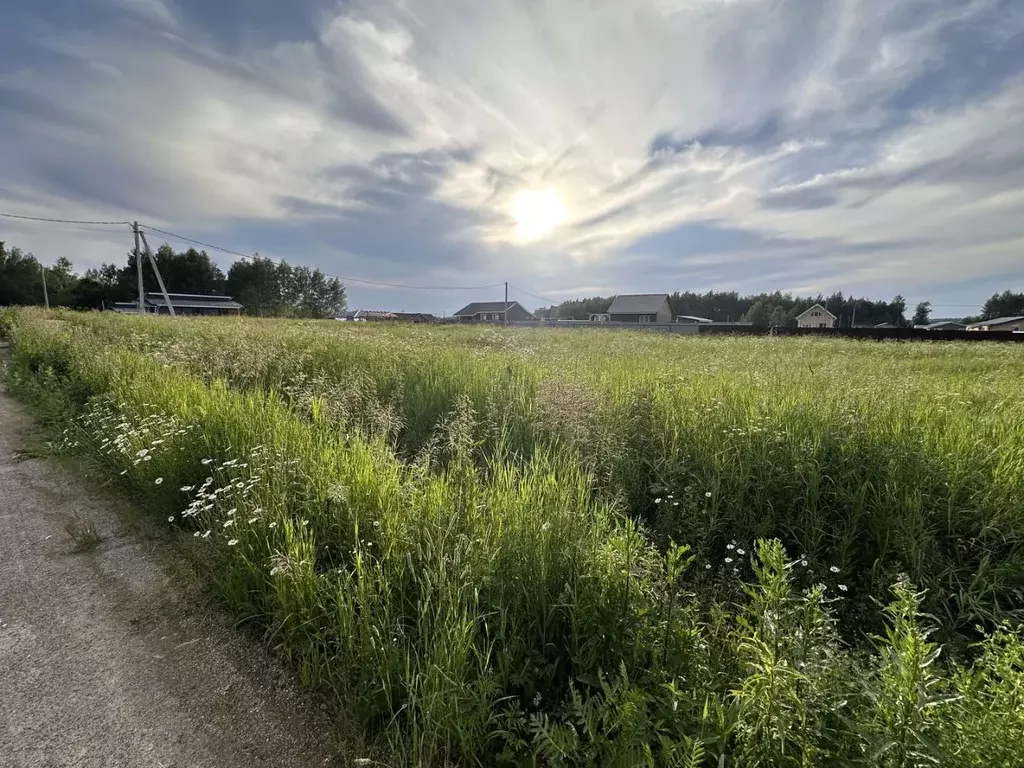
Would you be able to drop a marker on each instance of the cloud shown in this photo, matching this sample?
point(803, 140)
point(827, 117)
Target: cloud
point(849, 144)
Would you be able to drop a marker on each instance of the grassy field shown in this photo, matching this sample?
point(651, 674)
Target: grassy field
point(550, 547)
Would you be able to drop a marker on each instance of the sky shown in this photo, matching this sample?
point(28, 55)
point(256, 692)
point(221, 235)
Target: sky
point(569, 147)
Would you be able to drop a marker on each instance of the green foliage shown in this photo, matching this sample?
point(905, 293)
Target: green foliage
point(470, 541)
point(1005, 304)
point(777, 309)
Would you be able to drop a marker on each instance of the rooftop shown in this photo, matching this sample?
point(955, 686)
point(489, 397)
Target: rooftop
point(637, 303)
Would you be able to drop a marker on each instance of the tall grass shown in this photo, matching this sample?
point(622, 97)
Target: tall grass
point(470, 537)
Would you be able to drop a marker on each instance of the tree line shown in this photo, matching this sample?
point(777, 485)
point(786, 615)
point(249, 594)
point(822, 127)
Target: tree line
point(264, 287)
point(781, 309)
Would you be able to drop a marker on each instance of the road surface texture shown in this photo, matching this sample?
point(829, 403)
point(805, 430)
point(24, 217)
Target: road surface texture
point(113, 657)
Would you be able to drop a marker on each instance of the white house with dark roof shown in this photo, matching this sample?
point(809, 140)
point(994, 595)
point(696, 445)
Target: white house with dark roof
point(642, 308)
point(816, 317)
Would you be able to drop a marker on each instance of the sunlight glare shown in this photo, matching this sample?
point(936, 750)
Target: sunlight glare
point(537, 212)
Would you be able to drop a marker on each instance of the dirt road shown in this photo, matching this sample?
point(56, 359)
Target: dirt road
point(112, 658)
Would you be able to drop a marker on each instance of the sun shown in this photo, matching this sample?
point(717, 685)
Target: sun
point(537, 212)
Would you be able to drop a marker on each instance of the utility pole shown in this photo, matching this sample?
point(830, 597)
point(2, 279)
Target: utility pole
point(138, 266)
point(505, 315)
point(159, 279)
point(853, 322)
point(46, 296)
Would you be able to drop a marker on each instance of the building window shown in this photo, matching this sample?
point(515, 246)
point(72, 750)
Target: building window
point(644, 319)
point(821, 325)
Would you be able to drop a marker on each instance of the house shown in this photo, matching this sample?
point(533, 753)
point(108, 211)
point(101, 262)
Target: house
point(415, 317)
point(943, 325)
point(642, 308)
point(599, 317)
point(493, 312)
point(365, 315)
point(692, 320)
point(999, 324)
point(816, 317)
point(183, 304)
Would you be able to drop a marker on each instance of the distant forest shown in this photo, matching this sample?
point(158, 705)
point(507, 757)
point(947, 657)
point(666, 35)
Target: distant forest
point(781, 309)
point(265, 287)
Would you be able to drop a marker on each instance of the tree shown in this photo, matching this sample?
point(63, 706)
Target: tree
point(757, 314)
point(1005, 304)
point(21, 280)
point(779, 318)
point(897, 308)
point(922, 313)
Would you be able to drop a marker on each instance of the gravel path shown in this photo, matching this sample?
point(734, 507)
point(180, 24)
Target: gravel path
point(112, 657)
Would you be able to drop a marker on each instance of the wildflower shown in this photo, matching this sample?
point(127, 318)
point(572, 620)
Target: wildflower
point(741, 551)
point(658, 500)
point(170, 519)
point(228, 523)
point(708, 494)
point(147, 458)
point(728, 559)
point(730, 546)
point(196, 534)
point(252, 520)
point(842, 587)
point(206, 461)
point(142, 453)
point(158, 481)
point(834, 569)
point(186, 488)
point(803, 563)
point(272, 525)
point(707, 567)
point(232, 542)
point(125, 472)
point(207, 534)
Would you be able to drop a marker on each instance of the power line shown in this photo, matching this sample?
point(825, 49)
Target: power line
point(61, 221)
point(196, 242)
point(534, 295)
point(418, 287)
point(338, 277)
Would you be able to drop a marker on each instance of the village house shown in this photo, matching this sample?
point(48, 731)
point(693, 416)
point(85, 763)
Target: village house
point(183, 304)
point(816, 317)
point(999, 324)
point(493, 312)
point(641, 308)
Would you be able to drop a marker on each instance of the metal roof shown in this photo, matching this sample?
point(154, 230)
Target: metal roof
point(940, 323)
point(193, 300)
point(477, 307)
point(997, 321)
point(638, 304)
point(694, 318)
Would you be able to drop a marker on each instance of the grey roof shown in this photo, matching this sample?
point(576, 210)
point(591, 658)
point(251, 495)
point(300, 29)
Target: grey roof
point(193, 300)
point(997, 321)
point(476, 307)
point(694, 318)
point(940, 323)
point(817, 306)
point(637, 304)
